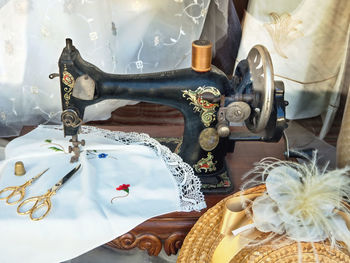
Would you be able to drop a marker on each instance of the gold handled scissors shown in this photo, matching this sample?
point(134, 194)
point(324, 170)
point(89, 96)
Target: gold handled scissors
point(42, 203)
point(18, 190)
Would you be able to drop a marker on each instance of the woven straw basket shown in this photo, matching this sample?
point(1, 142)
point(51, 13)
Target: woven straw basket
point(204, 237)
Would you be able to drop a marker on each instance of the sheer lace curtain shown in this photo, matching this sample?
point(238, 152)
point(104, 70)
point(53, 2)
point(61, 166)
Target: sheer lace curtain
point(307, 42)
point(124, 36)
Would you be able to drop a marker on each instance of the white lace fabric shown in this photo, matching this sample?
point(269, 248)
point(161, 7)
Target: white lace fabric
point(82, 213)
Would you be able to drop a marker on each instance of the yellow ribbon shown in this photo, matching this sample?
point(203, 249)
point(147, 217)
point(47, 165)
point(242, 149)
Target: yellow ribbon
point(234, 217)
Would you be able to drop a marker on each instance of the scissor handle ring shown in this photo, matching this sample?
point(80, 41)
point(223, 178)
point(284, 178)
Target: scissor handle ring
point(35, 199)
point(7, 189)
point(20, 192)
point(46, 203)
point(15, 191)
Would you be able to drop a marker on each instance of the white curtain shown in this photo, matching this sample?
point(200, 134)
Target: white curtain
point(118, 36)
point(307, 42)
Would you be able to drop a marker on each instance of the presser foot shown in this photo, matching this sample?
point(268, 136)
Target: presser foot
point(75, 149)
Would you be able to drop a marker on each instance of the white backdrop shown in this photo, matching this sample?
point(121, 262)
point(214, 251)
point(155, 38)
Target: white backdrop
point(124, 36)
point(307, 40)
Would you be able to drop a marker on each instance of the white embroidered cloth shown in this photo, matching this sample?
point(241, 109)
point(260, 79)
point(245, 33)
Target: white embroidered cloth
point(82, 216)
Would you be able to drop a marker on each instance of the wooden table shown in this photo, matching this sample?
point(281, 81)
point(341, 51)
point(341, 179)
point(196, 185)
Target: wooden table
point(169, 230)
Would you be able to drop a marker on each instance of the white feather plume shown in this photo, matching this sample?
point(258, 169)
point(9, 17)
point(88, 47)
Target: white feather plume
point(302, 200)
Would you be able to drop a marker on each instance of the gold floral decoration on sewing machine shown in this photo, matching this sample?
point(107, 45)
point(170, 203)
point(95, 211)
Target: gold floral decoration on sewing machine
point(206, 108)
point(69, 81)
point(205, 164)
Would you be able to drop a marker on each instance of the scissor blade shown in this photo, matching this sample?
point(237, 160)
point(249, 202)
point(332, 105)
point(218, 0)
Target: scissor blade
point(70, 174)
point(40, 174)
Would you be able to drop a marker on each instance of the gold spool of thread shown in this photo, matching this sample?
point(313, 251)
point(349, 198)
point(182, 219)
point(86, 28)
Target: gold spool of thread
point(201, 55)
point(19, 168)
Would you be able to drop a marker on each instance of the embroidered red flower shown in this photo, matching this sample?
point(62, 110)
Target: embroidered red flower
point(123, 187)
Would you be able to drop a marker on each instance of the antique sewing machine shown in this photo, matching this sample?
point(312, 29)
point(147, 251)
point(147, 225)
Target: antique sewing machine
point(209, 101)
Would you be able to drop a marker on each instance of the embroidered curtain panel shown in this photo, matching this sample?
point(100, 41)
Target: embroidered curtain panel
point(125, 36)
point(307, 41)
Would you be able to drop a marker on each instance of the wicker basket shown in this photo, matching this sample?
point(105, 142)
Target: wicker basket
point(204, 237)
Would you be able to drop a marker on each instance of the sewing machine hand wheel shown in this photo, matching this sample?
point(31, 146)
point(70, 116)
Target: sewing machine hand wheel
point(261, 72)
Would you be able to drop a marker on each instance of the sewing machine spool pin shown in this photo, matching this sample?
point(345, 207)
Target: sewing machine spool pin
point(206, 97)
point(54, 75)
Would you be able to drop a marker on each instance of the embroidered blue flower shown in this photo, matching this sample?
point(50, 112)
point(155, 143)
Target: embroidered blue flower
point(102, 155)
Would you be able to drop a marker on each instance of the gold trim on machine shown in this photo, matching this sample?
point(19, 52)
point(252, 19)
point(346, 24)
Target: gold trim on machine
point(205, 164)
point(206, 108)
point(69, 81)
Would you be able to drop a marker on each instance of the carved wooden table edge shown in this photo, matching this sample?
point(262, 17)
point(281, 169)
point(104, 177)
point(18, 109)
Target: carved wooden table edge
point(152, 241)
point(168, 231)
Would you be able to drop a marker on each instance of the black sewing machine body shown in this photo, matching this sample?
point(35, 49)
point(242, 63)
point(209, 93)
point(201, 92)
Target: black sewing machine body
point(199, 96)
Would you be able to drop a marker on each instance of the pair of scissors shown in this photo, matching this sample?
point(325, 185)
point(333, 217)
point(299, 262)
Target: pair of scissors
point(42, 204)
point(18, 191)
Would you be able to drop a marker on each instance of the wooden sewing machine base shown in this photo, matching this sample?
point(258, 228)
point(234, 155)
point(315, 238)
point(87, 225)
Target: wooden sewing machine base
point(170, 230)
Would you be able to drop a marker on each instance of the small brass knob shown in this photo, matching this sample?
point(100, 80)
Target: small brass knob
point(201, 55)
point(19, 168)
point(223, 129)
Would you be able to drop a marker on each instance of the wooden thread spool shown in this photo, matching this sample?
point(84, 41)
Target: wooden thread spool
point(201, 55)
